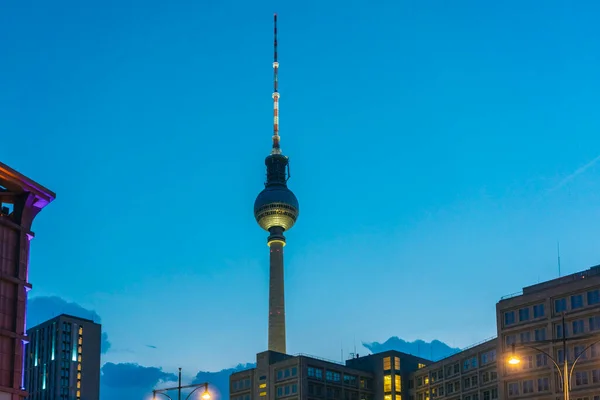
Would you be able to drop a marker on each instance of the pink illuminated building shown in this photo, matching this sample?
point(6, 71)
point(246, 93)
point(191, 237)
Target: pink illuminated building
point(21, 199)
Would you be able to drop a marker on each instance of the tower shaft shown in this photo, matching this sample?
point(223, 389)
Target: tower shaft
point(276, 298)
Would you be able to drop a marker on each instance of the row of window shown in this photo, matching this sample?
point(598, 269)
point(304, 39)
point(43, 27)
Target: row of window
point(241, 397)
point(491, 394)
point(287, 390)
point(287, 373)
point(241, 384)
point(582, 378)
point(576, 327)
point(577, 301)
point(387, 363)
point(387, 384)
point(336, 377)
point(451, 370)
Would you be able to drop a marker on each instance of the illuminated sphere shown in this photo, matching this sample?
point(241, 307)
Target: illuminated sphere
point(276, 206)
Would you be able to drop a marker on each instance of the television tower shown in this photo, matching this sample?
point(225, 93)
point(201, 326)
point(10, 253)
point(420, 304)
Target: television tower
point(276, 210)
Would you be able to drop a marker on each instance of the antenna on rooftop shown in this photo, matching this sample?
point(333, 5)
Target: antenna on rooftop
point(558, 253)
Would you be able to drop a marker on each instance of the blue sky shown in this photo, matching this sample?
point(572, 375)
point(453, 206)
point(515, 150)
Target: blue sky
point(438, 150)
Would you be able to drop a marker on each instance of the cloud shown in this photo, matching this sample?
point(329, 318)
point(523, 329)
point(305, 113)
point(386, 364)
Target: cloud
point(128, 381)
point(434, 350)
point(152, 347)
point(128, 375)
point(43, 308)
point(577, 172)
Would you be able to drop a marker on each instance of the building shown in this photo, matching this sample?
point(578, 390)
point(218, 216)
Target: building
point(63, 359)
point(379, 376)
point(534, 317)
point(471, 374)
point(21, 199)
point(276, 211)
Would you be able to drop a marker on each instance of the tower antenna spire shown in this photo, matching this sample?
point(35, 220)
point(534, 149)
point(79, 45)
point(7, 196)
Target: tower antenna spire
point(276, 148)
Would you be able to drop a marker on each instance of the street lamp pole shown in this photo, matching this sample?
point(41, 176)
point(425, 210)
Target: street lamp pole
point(204, 396)
point(566, 375)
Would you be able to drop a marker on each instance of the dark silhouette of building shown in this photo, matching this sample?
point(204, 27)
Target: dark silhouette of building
point(63, 359)
point(21, 199)
point(276, 210)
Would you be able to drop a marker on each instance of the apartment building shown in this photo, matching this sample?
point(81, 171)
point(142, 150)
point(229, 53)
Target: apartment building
point(531, 323)
point(280, 376)
point(469, 375)
point(63, 360)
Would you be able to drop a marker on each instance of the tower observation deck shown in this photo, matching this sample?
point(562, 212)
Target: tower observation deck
point(276, 211)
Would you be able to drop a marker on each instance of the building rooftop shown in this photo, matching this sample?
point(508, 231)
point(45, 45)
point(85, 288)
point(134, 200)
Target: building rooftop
point(63, 316)
point(593, 271)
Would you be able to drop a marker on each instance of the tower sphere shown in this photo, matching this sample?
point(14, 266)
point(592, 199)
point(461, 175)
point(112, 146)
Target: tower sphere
point(275, 206)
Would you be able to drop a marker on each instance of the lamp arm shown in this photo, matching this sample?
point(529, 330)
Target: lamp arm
point(578, 358)
point(164, 394)
point(549, 356)
point(204, 385)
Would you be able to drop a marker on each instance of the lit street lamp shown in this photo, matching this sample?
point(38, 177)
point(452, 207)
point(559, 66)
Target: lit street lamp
point(565, 373)
point(204, 396)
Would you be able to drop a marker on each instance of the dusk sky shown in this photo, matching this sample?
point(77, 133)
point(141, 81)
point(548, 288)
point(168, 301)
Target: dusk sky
point(439, 150)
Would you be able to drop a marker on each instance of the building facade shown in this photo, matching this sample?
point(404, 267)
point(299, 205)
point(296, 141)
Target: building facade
point(471, 374)
point(279, 376)
point(21, 199)
point(63, 360)
point(534, 318)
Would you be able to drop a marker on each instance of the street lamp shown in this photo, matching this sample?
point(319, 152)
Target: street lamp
point(204, 396)
point(565, 373)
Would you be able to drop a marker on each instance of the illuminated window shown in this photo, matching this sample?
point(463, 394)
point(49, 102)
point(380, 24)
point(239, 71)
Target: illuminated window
point(397, 383)
point(262, 385)
point(79, 367)
point(421, 365)
point(78, 384)
point(81, 330)
point(387, 397)
point(80, 340)
point(398, 397)
point(263, 394)
point(387, 383)
point(78, 393)
point(397, 363)
point(426, 380)
point(79, 358)
point(79, 375)
point(387, 363)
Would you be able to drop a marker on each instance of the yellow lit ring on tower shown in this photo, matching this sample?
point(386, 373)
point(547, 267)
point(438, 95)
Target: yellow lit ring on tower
point(270, 242)
point(276, 214)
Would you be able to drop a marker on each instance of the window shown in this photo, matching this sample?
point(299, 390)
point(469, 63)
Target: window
point(397, 363)
point(294, 371)
point(561, 356)
point(466, 383)
point(579, 351)
point(487, 395)
point(560, 305)
point(524, 314)
point(421, 365)
point(329, 375)
point(581, 378)
point(576, 301)
point(528, 386)
point(513, 389)
point(456, 368)
point(595, 323)
point(543, 384)
point(541, 360)
point(511, 339)
point(397, 383)
point(509, 318)
point(488, 357)
point(337, 377)
point(540, 334)
point(578, 327)
point(319, 373)
point(387, 383)
point(525, 337)
point(593, 297)
point(387, 363)
point(494, 393)
point(559, 331)
point(350, 380)
point(596, 376)
point(595, 349)
point(474, 380)
point(310, 372)
point(538, 310)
